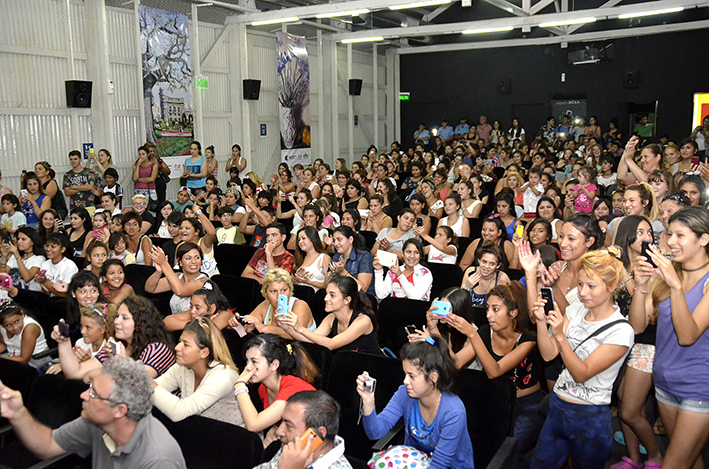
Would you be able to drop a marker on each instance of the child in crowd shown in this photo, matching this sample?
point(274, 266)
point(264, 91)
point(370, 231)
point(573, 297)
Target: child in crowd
point(585, 191)
point(443, 247)
point(228, 233)
point(533, 190)
point(84, 292)
point(100, 231)
point(112, 186)
point(174, 220)
point(264, 217)
point(21, 336)
point(113, 277)
point(57, 271)
point(12, 217)
point(96, 255)
point(118, 243)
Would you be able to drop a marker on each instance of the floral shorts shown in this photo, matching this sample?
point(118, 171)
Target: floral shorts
point(400, 457)
point(642, 357)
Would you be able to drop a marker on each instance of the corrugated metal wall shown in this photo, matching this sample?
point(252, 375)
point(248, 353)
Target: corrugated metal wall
point(35, 124)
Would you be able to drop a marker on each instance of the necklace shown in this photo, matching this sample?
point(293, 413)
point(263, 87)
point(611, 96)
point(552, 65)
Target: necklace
point(695, 270)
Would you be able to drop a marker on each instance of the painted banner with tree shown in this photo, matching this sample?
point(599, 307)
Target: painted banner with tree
point(167, 80)
point(293, 90)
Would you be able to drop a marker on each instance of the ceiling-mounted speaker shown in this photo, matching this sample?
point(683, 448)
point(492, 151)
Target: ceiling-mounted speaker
point(630, 79)
point(504, 86)
point(78, 93)
point(355, 87)
point(252, 89)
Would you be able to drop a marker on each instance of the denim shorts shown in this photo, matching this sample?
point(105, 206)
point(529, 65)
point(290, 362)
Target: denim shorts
point(698, 407)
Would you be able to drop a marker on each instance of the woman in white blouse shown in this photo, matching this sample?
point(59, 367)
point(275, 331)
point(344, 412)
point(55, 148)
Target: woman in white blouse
point(205, 375)
point(412, 280)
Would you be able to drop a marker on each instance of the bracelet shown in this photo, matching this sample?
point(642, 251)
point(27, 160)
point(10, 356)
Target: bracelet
point(240, 391)
point(198, 212)
point(242, 382)
point(639, 290)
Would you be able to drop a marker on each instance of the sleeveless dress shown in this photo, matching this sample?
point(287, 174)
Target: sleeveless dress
point(457, 227)
point(291, 302)
point(180, 304)
point(316, 271)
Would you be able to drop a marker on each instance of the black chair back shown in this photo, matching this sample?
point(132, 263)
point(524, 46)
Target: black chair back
point(370, 237)
point(444, 276)
point(233, 258)
point(463, 245)
point(394, 315)
point(476, 227)
point(341, 385)
point(489, 405)
point(243, 294)
point(317, 306)
point(322, 357)
point(202, 442)
point(136, 275)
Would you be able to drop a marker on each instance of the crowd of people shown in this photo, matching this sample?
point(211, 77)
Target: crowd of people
point(587, 253)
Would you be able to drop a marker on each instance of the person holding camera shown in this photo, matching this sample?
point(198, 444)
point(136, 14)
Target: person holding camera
point(593, 339)
point(435, 419)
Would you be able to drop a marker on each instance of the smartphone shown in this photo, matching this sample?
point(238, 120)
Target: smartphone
point(548, 295)
point(115, 346)
point(520, 231)
point(63, 328)
point(317, 441)
point(25, 193)
point(410, 329)
point(645, 251)
point(443, 307)
point(8, 239)
point(695, 160)
point(282, 304)
point(419, 221)
point(6, 282)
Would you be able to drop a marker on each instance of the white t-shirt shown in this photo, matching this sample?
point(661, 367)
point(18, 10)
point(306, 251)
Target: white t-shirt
point(64, 270)
point(607, 181)
point(34, 261)
point(531, 199)
point(440, 257)
point(597, 389)
point(15, 221)
point(81, 343)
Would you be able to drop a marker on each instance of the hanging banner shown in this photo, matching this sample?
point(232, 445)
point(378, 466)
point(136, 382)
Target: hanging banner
point(167, 81)
point(293, 92)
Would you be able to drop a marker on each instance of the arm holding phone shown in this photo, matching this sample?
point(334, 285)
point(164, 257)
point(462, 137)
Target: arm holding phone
point(70, 365)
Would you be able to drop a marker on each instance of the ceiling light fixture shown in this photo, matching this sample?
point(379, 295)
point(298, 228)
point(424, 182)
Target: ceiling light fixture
point(650, 13)
point(425, 3)
point(569, 22)
point(275, 21)
point(335, 14)
point(488, 30)
point(362, 39)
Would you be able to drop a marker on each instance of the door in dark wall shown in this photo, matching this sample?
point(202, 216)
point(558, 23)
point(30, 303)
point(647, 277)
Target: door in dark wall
point(412, 114)
point(530, 117)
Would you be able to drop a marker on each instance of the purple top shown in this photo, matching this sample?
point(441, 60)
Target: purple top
point(679, 370)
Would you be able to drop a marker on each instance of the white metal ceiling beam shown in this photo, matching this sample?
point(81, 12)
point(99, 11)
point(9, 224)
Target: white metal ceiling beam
point(311, 11)
point(539, 6)
point(522, 12)
point(608, 4)
point(428, 17)
point(518, 22)
point(581, 37)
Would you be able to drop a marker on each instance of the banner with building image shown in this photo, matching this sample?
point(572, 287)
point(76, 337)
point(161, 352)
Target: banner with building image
point(293, 91)
point(167, 80)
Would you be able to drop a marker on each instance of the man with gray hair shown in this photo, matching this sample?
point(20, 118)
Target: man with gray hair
point(115, 426)
point(308, 413)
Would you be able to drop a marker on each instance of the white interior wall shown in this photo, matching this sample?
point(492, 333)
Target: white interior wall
point(35, 124)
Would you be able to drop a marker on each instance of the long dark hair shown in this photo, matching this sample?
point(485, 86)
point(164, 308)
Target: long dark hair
point(213, 296)
point(359, 303)
point(427, 358)
point(348, 232)
point(460, 306)
point(627, 234)
point(43, 234)
point(587, 224)
point(85, 217)
point(148, 325)
point(33, 235)
point(314, 238)
point(159, 219)
point(513, 296)
point(293, 359)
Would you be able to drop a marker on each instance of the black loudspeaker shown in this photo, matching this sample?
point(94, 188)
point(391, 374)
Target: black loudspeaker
point(504, 86)
point(355, 87)
point(78, 93)
point(630, 79)
point(252, 89)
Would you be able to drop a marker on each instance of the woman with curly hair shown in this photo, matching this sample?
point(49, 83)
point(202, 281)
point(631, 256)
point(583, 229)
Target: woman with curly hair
point(140, 334)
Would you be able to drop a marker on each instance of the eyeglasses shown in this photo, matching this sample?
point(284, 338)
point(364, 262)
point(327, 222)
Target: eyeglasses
point(93, 395)
point(681, 198)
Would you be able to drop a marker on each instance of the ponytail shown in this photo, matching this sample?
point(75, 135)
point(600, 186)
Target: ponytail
point(209, 336)
point(359, 299)
point(292, 358)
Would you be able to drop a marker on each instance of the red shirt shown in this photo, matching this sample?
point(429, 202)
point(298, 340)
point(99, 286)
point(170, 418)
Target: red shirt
point(289, 385)
point(260, 265)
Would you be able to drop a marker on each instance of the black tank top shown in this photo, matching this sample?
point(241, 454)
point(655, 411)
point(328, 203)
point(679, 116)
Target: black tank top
point(364, 343)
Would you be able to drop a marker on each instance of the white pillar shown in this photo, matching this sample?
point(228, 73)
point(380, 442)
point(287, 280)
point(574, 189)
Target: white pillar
point(196, 72)
point(375, 93)
point(335, 102)
point(350, 107)
point(321, 98)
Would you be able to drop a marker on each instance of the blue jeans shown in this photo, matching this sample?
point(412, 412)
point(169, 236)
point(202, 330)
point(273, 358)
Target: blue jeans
point(582, 431)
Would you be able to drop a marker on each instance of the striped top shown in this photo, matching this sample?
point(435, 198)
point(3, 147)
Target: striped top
point(156, 355)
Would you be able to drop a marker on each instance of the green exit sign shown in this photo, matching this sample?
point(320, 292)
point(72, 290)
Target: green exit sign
point(405, 96)
point(202, 83)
